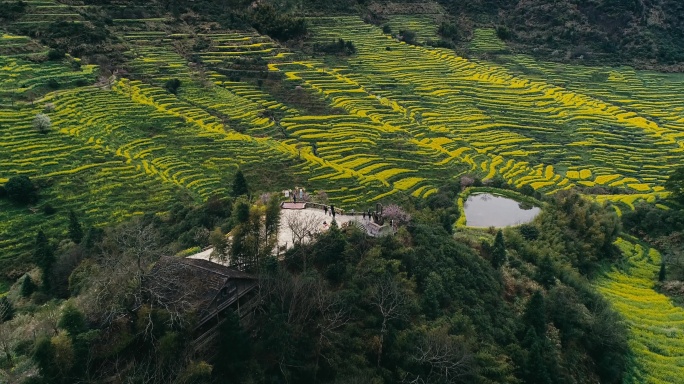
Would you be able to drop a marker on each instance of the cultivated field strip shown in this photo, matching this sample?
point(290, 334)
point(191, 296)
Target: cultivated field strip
point(73, 175)
point(19, 78)
point(13, 45)
point(40, 12)
point(488, 111)
point(360, 173)
point(425, 26)
point(485, 40)
point(656, 324)
point(656, 96)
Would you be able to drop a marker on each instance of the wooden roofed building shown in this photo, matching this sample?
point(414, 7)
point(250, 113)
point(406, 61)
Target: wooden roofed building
point(204, 289)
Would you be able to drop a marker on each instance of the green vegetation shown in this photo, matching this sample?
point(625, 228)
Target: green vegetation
point(21, 190)
point(41, 122)
point(269, 21)
point(340, 47)
point(601, 31)
point(418, 305)
point(171, 125)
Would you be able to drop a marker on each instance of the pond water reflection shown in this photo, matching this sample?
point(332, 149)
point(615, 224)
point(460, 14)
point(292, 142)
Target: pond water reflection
point(487, 210)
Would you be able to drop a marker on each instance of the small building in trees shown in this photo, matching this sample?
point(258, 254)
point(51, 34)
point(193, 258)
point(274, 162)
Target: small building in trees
point(208, 290)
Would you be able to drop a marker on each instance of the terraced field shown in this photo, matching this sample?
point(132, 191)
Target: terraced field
point(104, 161)
point(656, 325)
point(47, 11)
point(21, 79)
point(399, 120)
point(425, 26)
point(527, 131)
point(486, 117)
point(486, 40)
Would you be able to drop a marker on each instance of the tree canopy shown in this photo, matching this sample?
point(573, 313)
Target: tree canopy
point(240, 184)
point(21, 190)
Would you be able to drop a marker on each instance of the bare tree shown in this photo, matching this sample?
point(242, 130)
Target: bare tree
point(302, 226)
point(6, 339)
point(444, 358)
point(21, 328)
point(396, 213)
point(168, 287)
point(390, 300)
point(118, 279)
point(333, 316)
point(297, 299)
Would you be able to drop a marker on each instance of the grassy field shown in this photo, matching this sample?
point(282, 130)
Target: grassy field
point(656, 324)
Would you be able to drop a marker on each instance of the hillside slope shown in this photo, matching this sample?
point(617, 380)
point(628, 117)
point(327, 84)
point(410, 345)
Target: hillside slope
point(645, 33)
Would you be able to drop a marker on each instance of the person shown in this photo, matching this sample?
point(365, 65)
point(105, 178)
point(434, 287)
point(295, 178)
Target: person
point(294, 198)
point(325, 209)
point(364, 215)
point(352, 212)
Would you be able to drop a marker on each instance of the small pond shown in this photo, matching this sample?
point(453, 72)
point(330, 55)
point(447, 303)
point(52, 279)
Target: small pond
point(487, 210)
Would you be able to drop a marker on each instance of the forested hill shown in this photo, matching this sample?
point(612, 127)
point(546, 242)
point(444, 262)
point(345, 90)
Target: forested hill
point(641, 33)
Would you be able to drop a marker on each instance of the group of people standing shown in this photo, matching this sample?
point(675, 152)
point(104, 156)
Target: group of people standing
point(375, 216)
point(293, 194)
point(332, 210)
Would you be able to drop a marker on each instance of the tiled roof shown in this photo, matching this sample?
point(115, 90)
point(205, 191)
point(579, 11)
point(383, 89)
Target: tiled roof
point(195, 281)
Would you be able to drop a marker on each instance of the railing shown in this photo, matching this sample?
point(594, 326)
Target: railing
point(372, 229)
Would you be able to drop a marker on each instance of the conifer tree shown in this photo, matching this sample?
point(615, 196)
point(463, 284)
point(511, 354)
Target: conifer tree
point(498, 251)
point(234, 348)
point(44, 257)
point(6, 309)
point(536, 369)
point(27, 286)
point(545, 274)
point(240, 184)
point(75, 228)
point(535, 313)
point(272, 220)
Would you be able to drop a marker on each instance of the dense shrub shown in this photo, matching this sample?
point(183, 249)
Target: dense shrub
point(449, 31)
point(172, 85)
point(408, 36)
point(280, 26)
point(21, 190)
point(56, 55)
point(339, 47)
point(12, 10)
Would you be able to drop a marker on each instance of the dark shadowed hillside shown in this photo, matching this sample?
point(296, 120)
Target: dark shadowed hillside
point(643, 31)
